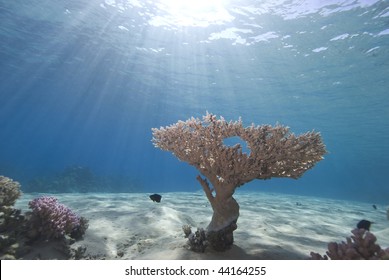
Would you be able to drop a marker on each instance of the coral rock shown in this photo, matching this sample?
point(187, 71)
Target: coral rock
point(9, 191)
point(197, 241)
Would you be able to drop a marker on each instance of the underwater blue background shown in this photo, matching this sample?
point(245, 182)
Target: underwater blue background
point(83, 82)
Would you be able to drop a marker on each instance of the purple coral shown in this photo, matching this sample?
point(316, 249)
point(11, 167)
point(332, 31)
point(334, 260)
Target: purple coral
point(53, 219)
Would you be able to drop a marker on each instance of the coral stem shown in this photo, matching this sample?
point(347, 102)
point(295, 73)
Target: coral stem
point(208, 191)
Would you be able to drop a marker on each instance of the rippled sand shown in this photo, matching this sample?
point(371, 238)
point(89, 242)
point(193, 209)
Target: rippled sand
point(270, 226)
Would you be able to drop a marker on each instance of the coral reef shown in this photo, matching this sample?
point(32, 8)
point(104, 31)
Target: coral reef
point(274, 152)
point(47, 231)
point(81, 179)
point(12, 229)
point(51, 219)
point(11, 220)
point(197, 241)
point(71, 179)
point(360, 246)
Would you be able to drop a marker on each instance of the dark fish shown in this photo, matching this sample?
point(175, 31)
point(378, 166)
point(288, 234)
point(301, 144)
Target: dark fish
point(374, 206)
point(156, 197)
point(365, 224)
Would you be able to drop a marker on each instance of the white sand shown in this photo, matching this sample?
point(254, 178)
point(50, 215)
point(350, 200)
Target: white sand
point(270, 226)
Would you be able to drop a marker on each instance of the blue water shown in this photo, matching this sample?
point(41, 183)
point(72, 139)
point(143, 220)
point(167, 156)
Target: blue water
point(83, 82)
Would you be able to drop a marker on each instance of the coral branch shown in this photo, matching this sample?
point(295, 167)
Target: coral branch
point(360, 246)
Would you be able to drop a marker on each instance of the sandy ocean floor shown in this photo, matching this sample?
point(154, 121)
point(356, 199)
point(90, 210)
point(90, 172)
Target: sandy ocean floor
point(270, 226)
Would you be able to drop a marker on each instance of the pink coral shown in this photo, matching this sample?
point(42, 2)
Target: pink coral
point(52, 219)
point(360, 246)
point(273, 152)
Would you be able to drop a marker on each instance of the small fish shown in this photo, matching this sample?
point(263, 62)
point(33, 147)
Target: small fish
point(365, 224)
point(374, 206)
point(156, 197)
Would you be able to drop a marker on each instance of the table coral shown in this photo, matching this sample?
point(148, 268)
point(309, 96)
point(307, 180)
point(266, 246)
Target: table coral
point(274, 152)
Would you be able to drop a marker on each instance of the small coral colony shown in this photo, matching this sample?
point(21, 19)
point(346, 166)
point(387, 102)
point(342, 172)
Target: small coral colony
point(48, 220)
point(273, 152)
